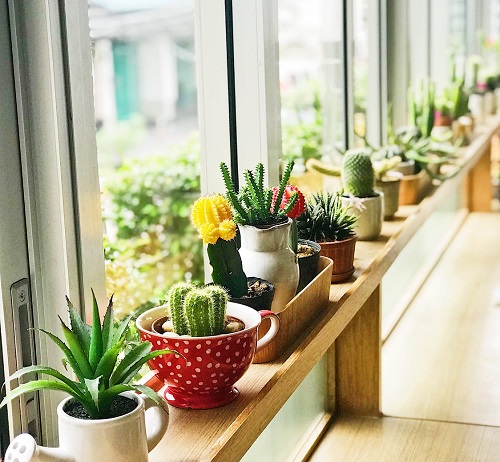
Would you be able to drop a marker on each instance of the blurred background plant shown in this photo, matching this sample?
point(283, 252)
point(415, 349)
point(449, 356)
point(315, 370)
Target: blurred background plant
point(149, 241)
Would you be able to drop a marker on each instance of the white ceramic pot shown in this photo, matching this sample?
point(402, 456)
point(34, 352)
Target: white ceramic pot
point(370, 219)
point(265, 254)
point(128, 438)
point(390, 187)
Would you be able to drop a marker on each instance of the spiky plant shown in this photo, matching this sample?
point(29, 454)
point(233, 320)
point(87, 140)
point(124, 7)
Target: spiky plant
point(198, 312)
point(253, 204)
point(96, 355)
point(325, 219)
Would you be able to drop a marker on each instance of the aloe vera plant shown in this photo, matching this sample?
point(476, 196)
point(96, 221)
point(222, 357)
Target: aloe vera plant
point(99, 359)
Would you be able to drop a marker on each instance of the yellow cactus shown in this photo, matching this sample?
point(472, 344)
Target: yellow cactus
point(212, 217)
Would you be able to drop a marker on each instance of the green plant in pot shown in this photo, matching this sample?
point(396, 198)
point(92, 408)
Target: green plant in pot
point(264, 227)
point(387, 180)
point(105, 365)
point(358, 180)
point(327, 221)
point(218, 338)
point(212, 217)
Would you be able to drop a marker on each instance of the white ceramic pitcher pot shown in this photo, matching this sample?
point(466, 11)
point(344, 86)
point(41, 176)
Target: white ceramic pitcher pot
point(127, 438)
point(265, 254)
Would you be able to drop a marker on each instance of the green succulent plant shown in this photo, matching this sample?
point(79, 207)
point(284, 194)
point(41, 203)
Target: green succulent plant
point(96, 355)
point(358, 176)
point(253, 204)
point(197, 311)
point(325, 219)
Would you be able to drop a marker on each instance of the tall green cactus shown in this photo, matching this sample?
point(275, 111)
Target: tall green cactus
point(197, 312)
point(176, 298)
point(357, 174)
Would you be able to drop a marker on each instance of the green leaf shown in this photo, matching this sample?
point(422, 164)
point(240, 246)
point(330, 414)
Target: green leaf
point(108, 362)
point(107, 326)
point(36, 385)
point(52, 372)
point(150, 393)
point(69, 355)
point(107, 396)
point(135, 367)
point(122, 328)
point(95, 352)
point(92, 386)
point(134, 355)
point(79, 328)
point(77, 351)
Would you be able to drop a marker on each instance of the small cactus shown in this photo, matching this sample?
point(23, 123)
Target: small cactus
point(201, 311)
point(176, 299)
point(212, 217)
point(357, 174)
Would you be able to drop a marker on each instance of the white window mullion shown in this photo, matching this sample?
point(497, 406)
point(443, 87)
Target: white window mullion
point(213, 106)
point(85, 176)
point(256, 62)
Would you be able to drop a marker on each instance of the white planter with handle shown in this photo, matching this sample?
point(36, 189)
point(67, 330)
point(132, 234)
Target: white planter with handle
point(127, 438)
point(265, 254)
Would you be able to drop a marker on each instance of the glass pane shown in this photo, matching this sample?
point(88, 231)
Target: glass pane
point(311, 83)
point(147, 141)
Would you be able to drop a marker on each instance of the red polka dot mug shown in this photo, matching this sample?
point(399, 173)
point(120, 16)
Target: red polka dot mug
point(204, 378)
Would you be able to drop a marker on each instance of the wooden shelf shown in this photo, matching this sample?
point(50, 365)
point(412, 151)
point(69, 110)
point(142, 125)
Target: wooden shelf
point(225, 434)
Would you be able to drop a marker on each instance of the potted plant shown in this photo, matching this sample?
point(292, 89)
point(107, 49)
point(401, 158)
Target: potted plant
point(327, 222)
point(358, 179)
point(217, 338)
point(307, 251)
point(212, 217)
point(387, 181)
point(101, 408)
point(264, 227)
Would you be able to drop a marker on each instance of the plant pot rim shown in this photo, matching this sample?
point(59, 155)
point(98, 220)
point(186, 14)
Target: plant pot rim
point(255, 278)
point(353, 237)
point(63, 416)
point(313, 244)
point(390, 177)
point(233, 310)
point(267, 228)
point(375, 195)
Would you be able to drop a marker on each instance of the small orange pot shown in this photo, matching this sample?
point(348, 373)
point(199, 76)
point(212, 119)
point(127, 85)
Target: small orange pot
point(342, 254)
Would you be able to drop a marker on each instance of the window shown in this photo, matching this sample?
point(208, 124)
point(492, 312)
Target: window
point(147, 144)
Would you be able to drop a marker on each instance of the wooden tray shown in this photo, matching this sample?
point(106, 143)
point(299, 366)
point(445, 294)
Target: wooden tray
point(298, 312)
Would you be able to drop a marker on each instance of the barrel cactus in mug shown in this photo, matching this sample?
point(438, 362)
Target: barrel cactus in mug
point(199, 311)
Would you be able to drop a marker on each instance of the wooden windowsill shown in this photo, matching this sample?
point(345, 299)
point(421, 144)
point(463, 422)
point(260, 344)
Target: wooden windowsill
point(225, 434)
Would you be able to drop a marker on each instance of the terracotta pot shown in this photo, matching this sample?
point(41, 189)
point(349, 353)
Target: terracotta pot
point(370, 219)
point(204, 377)
point(413, 188)
point(308, 265)
point(265, 254)
point(390, 187)
point(342, 254)
point(127, 438)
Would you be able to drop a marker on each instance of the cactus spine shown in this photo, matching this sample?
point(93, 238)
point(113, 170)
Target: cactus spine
point(357, 174)
point(198, 312)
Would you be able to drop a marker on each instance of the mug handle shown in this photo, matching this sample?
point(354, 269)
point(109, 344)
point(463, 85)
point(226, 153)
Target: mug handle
point(273, 330)
point(156, 422)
